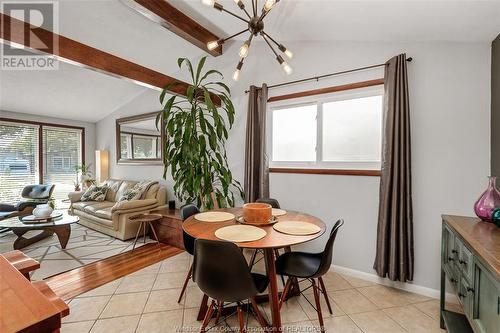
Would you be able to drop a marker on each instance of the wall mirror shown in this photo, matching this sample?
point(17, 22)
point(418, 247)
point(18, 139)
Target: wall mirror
point(138, 141)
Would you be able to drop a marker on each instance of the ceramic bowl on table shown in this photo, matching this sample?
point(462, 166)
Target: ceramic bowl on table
point(257, 213)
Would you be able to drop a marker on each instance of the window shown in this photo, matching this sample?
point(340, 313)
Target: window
point(140, 146)
point(62, 152)
point(24, 145)
point(18, 159)
point(340, 131)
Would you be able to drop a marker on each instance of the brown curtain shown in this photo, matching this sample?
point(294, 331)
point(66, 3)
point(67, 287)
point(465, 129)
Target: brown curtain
point(394, 257)
point(256, 163)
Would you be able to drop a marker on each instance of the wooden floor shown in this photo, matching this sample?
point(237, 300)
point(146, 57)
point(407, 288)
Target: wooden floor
point(80, 280)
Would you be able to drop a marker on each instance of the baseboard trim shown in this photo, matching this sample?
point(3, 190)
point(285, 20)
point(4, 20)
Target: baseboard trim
point(421, 290)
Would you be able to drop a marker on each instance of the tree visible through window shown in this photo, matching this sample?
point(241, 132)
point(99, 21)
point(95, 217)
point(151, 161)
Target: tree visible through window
point(19, 159)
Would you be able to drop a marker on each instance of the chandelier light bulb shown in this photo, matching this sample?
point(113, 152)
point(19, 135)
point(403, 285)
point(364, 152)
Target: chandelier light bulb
point(212, 45)
point(208, 2)
point(269, 4)
point(244, 50)
point(236, 75)
point(289, 53)
point(286, 67)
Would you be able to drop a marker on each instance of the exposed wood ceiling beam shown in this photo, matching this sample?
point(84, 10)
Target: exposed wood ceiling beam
point(76, 53)
point(162, 12)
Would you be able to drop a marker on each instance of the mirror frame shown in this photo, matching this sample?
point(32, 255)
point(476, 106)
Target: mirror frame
point(138, 161)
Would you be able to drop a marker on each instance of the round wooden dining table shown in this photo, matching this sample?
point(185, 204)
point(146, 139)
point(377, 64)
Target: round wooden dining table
point(273, 240)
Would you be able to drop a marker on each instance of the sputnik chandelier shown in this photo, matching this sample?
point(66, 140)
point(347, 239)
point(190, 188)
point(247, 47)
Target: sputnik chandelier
point(255, 24)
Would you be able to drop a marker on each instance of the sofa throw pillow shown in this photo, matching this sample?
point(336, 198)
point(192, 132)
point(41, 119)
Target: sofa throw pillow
point(132, 193)
point(95, 193)
point(137, 191)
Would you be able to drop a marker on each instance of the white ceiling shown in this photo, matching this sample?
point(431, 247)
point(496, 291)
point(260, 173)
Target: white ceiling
point(80, 94)
point(368, 20)
point(70, 93)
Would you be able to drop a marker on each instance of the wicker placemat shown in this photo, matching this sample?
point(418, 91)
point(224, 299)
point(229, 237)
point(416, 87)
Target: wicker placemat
point(297, 228)
point(278, 212)
point(214, 216)
point(240, 233)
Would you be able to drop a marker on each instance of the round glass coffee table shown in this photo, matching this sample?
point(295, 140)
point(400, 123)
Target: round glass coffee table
point(61, 226)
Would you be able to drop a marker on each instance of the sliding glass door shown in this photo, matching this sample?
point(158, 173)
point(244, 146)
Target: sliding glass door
point(62, 152)
point(37, 153)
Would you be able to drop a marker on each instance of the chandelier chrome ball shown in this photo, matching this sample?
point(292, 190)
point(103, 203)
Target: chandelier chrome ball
point(255, 26)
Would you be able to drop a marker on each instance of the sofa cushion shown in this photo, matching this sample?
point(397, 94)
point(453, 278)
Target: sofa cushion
point(134, 204)
point(114, 185)
point(95, 193)
point(92, 209)
point(82, 204)
point(151, 192)
point(138, 191)
point(124, 186)
point(105, 213)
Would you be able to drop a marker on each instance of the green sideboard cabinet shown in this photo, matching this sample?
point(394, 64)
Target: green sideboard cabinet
point(470, 261)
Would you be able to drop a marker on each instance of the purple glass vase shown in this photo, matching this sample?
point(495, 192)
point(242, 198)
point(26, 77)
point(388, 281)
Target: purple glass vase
point(488, 201)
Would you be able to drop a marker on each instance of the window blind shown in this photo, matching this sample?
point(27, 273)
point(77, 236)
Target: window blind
point(61, 154)
point(18, 159)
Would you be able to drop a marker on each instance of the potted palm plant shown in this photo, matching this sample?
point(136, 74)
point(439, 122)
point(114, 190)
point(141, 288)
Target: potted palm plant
point(196, 133)
point(85, 177)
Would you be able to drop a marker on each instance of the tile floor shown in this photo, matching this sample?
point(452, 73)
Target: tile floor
point(146, 301)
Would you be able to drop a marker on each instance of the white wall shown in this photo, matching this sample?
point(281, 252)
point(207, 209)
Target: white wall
point(90, 129)
point(105, 139)
point(450, 110)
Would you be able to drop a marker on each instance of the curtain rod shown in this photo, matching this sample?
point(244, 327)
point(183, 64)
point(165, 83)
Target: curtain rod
point(327, 75)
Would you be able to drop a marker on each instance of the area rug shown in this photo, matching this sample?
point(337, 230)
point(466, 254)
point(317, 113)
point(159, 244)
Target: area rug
point(84, 247)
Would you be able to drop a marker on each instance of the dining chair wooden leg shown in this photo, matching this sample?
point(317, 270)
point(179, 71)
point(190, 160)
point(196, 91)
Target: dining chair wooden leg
point(189, 274)
point(241, 319)
point(260, 318)
point(208, 315)
point(317, 300)
point(220, 305)
point(323, 289)
point(285, 291)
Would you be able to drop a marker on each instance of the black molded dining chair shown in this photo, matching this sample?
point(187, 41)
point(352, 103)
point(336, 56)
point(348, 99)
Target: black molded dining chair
point(187, 211)
point(273, 202)
point(309, 266)
point(228, 280)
